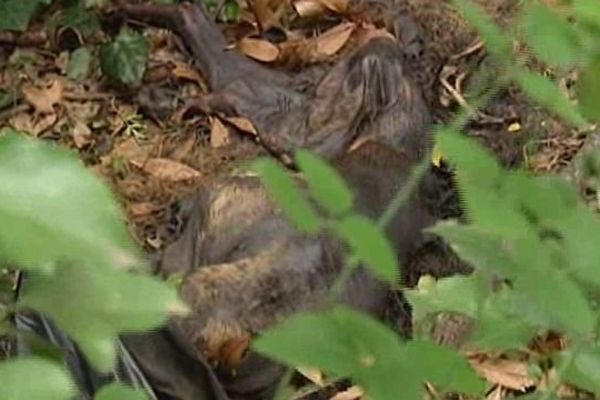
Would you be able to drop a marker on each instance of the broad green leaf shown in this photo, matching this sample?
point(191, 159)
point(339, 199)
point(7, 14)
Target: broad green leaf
point(370, 245)
point(325, 183)
point(94, 305)
point(473, 161)
point(478, 248)
point(496, 42)
point(551, 37)
point(552, 290)
point(79, 64)
point(340, 341)
point(457, 294)
point(34, 378)
point(78, 17)
point(116, 391)
point(547, 198)
point(502, 324)
point(289, 197)
point(547, 94)
point(124, 59)
point(345, 343)
point(444, 367)
point(579, 240)
point(52, 208)
point(15, 15)
point(588, 90)
point(588, 10)
point(581, 369)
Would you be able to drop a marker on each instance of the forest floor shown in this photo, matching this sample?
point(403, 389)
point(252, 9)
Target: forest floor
point(152, 149)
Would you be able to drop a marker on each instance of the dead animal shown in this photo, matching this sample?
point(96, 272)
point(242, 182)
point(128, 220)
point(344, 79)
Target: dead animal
point(245, 267)
point(365, 96)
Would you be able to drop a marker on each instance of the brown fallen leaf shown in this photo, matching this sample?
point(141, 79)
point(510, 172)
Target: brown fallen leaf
point(130, 150)
point(334, 39)
point(184, 71)
point(82, 134)
point(44, 99)
point(258, 49)
point(31, 124)
point(352, 393)
point(219, 134)
point(309, 8)
point(508, 373)
point(339, 6)
point(168, 170)
point(367, 32)
point(243, 124)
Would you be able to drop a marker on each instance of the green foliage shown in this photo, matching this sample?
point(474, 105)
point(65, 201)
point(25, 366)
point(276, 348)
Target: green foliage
point(369, 244)
point(50, 203)
point(552, 38)
point(116, 391)
point(346, 343)
point(79, 17)
point(325, 184)
point(63, 225)
point(588, 89)
point(34, 379)
point(287, 195)
point(15, 15)
point(124, 59)
point(79, 64)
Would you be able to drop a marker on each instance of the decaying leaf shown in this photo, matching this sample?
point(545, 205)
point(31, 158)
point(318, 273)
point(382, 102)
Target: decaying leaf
point(243, 124)
point(219, 134)
point(43, 99)
point(507, 373)
point(184, 71)
point(169, 170)
point(334, 39)
point(82, 134)
point(33, 125)
point(339, 6)
point(309, 8)
point(352, 393)
point(258, 49)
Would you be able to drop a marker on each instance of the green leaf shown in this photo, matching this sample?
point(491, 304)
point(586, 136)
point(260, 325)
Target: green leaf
point(588, 90)
point(478, 248)
point(457, 294)
point(52, 208)
point(552, 290)
point(345, 343)
point(547, 94)
point(474, 163)
point(79, 64)
point(496, 42)
point(502, 324)
point(78, 17)
point(124, 60)
point(443, 367)
point(369, 244)
point(15, 15)
point(587, 10)
point(94, 305)
point(283, 189)
point(552, 38)
point(34, 379)
point(116, 391)
point(581, 369)
point(325, 184)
